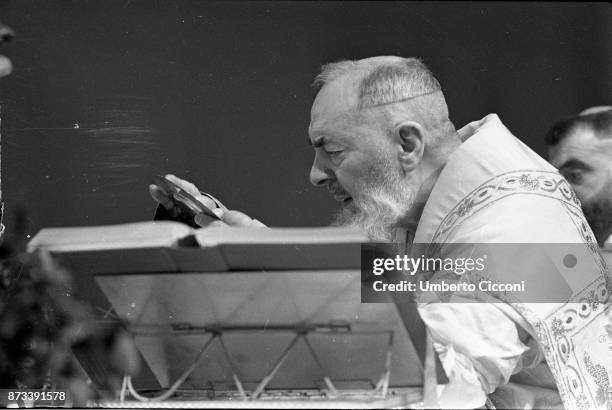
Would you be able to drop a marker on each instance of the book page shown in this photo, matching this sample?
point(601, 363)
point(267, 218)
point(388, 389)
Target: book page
point(124, 236)
point(320, 235)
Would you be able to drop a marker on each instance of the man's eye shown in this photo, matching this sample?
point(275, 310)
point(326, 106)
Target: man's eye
point(573, 176)
point(333, 154)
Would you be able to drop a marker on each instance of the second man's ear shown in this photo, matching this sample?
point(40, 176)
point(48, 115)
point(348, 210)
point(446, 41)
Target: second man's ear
point(410, 135)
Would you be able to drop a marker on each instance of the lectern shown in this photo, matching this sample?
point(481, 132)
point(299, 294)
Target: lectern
point(227, 317)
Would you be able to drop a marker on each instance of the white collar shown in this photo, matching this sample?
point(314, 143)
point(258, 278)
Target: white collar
point(489, 149)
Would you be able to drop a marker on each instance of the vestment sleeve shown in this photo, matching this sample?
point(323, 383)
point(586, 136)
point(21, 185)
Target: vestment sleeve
point(479, 347)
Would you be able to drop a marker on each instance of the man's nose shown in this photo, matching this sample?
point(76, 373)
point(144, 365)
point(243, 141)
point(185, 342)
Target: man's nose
point(318, 174)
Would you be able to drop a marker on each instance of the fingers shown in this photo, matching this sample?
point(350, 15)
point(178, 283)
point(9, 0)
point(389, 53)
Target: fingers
point(165, 198)
point(192, 190)
point(237, 218)
point(185, 185)
point(228, 217)
point(160, 196)
point(205, 220)
point(206, 201)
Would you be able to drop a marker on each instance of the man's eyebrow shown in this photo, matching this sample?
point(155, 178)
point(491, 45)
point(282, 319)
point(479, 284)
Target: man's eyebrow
point(575, 163)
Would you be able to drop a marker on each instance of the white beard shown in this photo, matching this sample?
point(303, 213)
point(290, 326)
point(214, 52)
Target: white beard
point(379, 207)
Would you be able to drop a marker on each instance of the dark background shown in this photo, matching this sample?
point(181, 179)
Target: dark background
point(106, 93)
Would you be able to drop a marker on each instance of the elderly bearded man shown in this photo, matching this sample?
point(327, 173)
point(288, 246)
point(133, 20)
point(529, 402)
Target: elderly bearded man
point(385, 147)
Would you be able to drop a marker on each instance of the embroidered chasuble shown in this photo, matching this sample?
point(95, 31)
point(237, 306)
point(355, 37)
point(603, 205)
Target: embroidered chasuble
point(517, 353)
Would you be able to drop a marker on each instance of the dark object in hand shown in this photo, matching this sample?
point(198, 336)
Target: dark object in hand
point(186, 206)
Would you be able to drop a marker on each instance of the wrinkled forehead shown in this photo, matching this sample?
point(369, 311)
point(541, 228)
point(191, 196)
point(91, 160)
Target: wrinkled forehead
point(336, 101)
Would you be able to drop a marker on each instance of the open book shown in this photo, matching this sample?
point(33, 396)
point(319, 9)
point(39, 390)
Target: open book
point(166, 246)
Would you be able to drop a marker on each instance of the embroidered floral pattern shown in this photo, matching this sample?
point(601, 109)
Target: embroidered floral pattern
point(557, 328)
point(528, 182)
point(593, 300)
point(602, 379)
point(464, 208)
point(544, 183)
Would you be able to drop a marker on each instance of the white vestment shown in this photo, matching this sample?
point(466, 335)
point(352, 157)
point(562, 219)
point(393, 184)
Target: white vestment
point(494, 189)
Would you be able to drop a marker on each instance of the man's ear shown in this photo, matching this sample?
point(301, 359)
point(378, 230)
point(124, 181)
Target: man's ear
point(410, 135)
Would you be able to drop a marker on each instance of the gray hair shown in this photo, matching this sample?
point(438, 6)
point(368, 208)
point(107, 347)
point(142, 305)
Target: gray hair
point(385, 79)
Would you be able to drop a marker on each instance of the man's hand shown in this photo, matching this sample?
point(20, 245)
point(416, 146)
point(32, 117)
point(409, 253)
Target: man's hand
point(228, 218)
